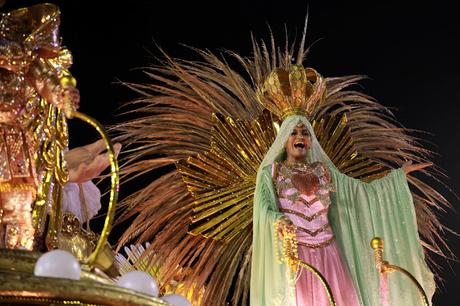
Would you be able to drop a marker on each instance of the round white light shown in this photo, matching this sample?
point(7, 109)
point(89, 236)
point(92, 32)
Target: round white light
point(58, 263)
point(176, 300)
point(139, 281)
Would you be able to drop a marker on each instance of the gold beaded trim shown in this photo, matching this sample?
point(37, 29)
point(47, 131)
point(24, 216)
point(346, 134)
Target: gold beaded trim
point(301, 215)
point(308, 203)
point(296, 197)
point(314, 233)
point(316, 246)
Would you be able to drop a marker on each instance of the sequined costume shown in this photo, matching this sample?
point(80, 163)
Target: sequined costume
point(303, 196)
point(32, 72)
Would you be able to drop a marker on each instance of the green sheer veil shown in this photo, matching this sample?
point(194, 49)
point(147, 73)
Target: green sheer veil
point(359, 212)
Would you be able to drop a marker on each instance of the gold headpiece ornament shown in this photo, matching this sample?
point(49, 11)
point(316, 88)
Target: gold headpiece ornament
point(25, 31)
point(296, 91)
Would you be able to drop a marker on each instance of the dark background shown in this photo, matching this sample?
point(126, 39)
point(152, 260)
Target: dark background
point(411, 53)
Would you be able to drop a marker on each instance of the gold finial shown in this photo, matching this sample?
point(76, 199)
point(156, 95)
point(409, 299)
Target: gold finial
point(295, 91)
point(377, 243)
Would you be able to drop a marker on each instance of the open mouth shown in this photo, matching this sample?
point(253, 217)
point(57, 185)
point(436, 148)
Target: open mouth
point(299, 145)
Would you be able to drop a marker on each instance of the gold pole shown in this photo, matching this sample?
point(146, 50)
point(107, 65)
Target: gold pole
point(384, 267)
point(114, 188)
point(322, 279)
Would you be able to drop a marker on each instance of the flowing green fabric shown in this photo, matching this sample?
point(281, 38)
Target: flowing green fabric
point(359, 212)
point(383, 208)
point(272, 283)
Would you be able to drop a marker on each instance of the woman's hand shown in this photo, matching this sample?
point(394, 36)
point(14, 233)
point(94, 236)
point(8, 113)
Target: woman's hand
point(408, 167)
point(283, 224)
point(87, 162)
point(71, 100)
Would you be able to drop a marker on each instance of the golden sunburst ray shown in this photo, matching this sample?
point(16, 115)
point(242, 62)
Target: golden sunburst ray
point(222, 180)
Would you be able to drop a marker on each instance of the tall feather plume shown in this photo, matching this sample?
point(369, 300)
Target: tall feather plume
point(173, 121)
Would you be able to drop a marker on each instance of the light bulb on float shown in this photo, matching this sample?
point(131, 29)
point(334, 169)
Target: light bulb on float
point(58, 264)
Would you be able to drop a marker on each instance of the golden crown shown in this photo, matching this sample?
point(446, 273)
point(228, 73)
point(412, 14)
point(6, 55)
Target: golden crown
point(296, 91)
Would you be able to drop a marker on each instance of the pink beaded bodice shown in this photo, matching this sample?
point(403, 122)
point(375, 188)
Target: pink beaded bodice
point(303, 193)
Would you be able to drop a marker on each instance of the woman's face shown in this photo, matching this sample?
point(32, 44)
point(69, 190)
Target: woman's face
point(298, 143)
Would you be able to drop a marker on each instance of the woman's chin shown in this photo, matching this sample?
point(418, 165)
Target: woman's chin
point(299, 156)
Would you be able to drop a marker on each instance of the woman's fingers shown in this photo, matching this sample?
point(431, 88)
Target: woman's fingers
point(96, 147)
point(91, 168)
point(76, 174)
point(285, 225)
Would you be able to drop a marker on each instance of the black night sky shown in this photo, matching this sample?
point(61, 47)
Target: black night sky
point(410, 52)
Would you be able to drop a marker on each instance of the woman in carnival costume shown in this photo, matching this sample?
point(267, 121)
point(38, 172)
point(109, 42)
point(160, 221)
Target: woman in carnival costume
point(276, 155)
point(299, 190)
